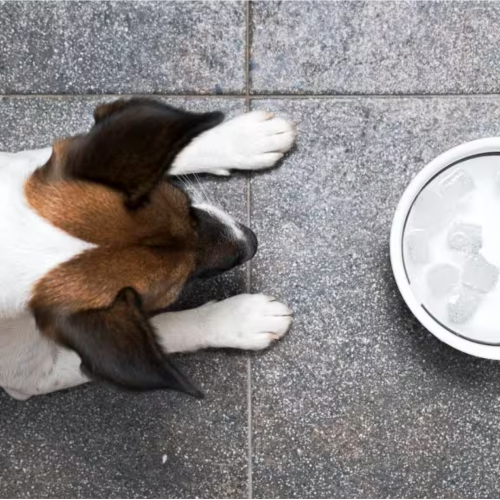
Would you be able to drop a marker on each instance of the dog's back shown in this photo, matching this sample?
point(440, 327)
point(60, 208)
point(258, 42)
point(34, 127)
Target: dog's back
point(29, 245)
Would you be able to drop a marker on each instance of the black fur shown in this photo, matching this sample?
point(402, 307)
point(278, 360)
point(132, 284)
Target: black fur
point(118, 345)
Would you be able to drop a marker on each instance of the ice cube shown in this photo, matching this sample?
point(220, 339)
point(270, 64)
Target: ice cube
point(467, 238)
point(442, 278)
point(454, 185)
point(462, 306)
point(417, 244)
point(479, 274)
point(429, 211)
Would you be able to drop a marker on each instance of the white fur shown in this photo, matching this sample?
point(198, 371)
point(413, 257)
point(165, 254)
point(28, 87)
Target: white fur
point(252, 141)
point(32, 365)
point(31, 246)
point(241, 322)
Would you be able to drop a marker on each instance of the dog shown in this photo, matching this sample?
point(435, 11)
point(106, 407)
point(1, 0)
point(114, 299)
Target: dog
point(95, 242)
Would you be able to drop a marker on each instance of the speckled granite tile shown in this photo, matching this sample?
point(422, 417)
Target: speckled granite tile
point(96, 442)
point(383, 47)
point(359, 401)
point(94, 47)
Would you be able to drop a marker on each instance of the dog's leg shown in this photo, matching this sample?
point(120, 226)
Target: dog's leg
point(31, 364)
point(62, 372)
point(252, 141)
point(240, 322)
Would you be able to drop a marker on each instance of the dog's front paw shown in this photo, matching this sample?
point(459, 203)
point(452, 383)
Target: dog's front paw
point(247, 321)
point(251, 141)
point(258, 140)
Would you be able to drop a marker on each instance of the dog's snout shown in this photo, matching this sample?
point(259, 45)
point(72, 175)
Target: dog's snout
point(250, 243)
point(223, 242)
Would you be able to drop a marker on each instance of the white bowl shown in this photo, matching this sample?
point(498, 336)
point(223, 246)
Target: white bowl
point(481, 147)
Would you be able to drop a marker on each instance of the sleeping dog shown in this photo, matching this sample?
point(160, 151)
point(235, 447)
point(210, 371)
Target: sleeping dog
point(95, 241)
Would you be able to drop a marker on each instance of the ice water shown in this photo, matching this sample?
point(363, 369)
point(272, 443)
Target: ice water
point(455, 184)
point(443, 278)
point(451, 248)
point(417, 242)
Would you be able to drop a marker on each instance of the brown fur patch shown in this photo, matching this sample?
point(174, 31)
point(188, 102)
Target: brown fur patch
point(93, 279)
point(150, 249)
point(97, 214)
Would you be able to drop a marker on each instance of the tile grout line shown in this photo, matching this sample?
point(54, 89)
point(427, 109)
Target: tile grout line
point(248, 267)
point(125, 94)
point(370, 96)
point(248, 97)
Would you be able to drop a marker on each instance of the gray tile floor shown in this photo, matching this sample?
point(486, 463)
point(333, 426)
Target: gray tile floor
point(358, 401)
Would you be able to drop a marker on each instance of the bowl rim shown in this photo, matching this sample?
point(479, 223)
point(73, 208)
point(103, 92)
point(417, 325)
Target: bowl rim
point(444, 160)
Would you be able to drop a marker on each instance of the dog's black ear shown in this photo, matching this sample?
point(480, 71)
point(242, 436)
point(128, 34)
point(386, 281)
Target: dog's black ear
point(117, 345)
point(105, 110)
point(132, 145)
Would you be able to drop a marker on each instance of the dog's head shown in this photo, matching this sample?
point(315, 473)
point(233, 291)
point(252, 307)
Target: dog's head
point(108, 188)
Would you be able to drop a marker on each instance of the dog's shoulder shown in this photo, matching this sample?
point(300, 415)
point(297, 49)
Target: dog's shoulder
point(29, 245)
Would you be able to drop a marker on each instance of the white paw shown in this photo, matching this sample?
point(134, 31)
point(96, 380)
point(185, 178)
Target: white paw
point(247, 321)
point(252, 141)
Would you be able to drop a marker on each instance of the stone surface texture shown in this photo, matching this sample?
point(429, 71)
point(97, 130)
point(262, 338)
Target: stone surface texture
point(358, 401)
point(86, 47)
point(382, 47)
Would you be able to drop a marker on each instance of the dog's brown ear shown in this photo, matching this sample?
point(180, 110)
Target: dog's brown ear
point(117, 345)
point(132, 145)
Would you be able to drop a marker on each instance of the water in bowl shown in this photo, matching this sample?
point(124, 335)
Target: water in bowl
point(451, 248)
